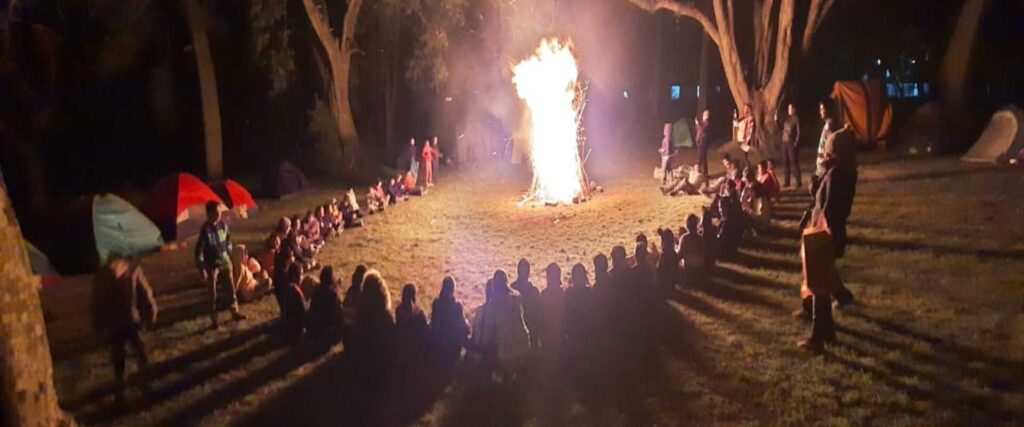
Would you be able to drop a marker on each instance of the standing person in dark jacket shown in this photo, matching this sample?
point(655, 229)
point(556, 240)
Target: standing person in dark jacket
point(122, 302)
point(213, 258)
point(530, 295)
point(701, 140)
point(835, 201)
point(791, 145)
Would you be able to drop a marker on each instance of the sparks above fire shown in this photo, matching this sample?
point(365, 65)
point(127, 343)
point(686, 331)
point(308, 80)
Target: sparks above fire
point(547, 83)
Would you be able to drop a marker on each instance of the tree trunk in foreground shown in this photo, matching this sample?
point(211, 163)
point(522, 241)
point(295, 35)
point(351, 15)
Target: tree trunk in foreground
point(196, 17)
point(27, 397)
point(339, 58)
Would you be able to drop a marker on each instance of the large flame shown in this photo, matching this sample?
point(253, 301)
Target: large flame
point(547, 83)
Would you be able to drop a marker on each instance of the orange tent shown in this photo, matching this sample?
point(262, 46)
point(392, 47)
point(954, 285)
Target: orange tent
point(865, 106)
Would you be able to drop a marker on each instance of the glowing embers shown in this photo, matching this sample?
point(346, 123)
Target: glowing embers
point(547, 83)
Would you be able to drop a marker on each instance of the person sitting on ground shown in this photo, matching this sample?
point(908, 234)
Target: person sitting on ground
point(251, 280)
point(530, 296)
point(643, 272)
point(373, 336)
point(412, 333)
point(731, 168)
point(578, 309)
point(503, 326)
point(350, 216)
point(383, 194)
point(350, 305)
point(284, 226)
point(376, 200)
point(328, 221)
point(325, 313)
point(692, 184)
point(770, 183)
point(691, 252)
point(709, 238)
point(396, 190)
point(448, 327)
point(620, 269)
point(410, 187)
point(754, 199)
point(552, 301)
point(301, 254)
point(667, 273)
point(350, 195)
point(122, 305)
point(311, 230)
point(293, 306)
point(731, 223)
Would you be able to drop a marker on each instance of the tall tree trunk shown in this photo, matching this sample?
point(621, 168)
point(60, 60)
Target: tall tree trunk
point(958, 55)
point(196, 17)
point(27, 394)
point(702, 79)
point(392, 77)
point(339, 58)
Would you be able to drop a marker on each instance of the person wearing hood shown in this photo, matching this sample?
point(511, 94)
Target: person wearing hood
point(448, 327)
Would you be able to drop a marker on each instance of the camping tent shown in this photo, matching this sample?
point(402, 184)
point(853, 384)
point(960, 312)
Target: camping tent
point(283, 180)
point(681, 134)
point(120, 228)
point(235, 196)
point(177, 205)
point(41, 265)
point(1003, 137)
point(865, 106)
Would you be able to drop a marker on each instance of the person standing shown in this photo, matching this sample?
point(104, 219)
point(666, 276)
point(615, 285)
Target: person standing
point(745, 128)
point(665, 151)
point(791, 146)
point(701, 140)
point(838, 185)
point(122, 302)
point(213, 258)
point(827, 129)
point(414, 166)
point(437, 155)
point(428, 164)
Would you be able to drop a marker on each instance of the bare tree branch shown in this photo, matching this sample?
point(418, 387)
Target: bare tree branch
point(782, 49)
point(816, 14)
point(688, 10)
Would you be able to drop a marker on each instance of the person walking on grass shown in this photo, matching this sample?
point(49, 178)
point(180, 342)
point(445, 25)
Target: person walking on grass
point(122, 304)
point(791, 146)
point(213, 258)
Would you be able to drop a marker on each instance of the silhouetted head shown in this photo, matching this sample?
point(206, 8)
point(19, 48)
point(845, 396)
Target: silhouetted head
point(619, 257)
point(327, 276)
point(500, 283)
point(641, 253)
point(213, 211)
point(600, 265)
point(374, 296)
point(691, 223)
point(668, 239)
point(553, 274)
point(409, 294)
point(284, 225)
point(579, 276)
point(447, 288)
point(357, 275)
point(523, 269)
point(823, 110)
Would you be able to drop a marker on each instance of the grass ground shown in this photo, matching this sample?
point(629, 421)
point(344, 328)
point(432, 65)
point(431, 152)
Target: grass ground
point(935, 259)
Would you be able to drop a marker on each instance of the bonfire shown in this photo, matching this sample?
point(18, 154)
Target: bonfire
point(547, 83)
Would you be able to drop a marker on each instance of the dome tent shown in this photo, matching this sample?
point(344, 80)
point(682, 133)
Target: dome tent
point(177, 205)
point(119, 227)
point(1002, 138)
point(236, 197)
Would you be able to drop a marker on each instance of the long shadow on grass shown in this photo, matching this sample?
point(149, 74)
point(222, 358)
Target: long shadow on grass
point(187, 381)
point(162, 368)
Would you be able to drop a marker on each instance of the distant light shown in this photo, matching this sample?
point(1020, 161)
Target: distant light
point(625, 94)
point(448, 99)
point(718, 89)
point(879, 62)
point(676, 92)
point(887, 74)
point(913, 61)
point(698, 91)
